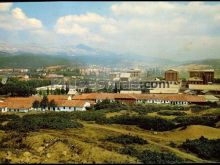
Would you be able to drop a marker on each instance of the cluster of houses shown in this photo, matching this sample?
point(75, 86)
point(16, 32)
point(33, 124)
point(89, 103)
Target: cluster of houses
point(83, 101)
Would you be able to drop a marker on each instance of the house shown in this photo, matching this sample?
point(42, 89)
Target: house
point(20, 104)
point(72, 92)
point(71, 105)
point(176, 99)
point(3, 107)
point(25, 104)
point(130, 91)
point(125, 76)
point(55, 76)
point(211, 98)
point(66, 103)
point(214, 88)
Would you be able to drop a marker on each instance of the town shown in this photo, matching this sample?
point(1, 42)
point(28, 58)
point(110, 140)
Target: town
point(70, 93)
point(109, 82)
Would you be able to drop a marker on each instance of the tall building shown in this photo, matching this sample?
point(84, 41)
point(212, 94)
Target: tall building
point(171, 75)
point(203, 76)
point(135, 73)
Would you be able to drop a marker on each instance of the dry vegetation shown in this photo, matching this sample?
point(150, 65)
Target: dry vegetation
point(86, 144)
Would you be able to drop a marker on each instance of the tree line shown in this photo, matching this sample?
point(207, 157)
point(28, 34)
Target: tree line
point(44, 103)
point(14, 87)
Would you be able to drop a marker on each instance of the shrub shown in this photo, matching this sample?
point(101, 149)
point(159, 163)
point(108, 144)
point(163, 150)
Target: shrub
point(157, 124)
point(88, 115)
point(196, 120)
point(144, 109)
point(129, 150)
point(145, 122)
point(106, 104)
point(169, 113)
point(126, 139)
point(172, 144)
point(41, 121)
point(152, 157)
point(203, 147)
point(6, 117)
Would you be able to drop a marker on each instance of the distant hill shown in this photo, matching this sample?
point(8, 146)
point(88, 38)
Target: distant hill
point(82, 54)
point(31, 60)
point(212, 63)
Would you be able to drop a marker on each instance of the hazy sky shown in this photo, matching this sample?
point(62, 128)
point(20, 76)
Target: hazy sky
point(187, 30)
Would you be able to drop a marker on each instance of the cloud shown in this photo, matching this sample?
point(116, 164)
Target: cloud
point(85, 26)
point(84, 18)
point(147, 28)
point(73, 28)
point(5, 7)
point(17, 20)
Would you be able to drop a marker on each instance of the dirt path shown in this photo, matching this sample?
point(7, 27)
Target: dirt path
point(147, 137)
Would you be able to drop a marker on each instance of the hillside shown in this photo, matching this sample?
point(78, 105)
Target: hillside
point(32, 60)
point(82, 54)
point(212, 63)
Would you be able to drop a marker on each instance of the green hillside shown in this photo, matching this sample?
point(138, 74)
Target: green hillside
point(213, 63)
point(32, 61)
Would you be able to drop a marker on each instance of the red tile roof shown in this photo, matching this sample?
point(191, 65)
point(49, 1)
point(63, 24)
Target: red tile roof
point(3, 104)
point(21, 102)
point(57, 97)
point(70, 103)
point(168, 97)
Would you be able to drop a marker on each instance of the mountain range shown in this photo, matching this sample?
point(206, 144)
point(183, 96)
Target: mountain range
point(85, 55)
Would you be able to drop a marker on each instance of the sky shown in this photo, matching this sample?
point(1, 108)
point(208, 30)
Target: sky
point(172, 30)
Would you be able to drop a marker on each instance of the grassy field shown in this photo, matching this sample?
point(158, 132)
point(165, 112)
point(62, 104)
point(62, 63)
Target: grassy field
point(86, 145)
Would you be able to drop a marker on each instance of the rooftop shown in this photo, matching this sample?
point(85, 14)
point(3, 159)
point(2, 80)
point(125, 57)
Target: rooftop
point(202, 70)
point(168, 97)
point(170, 70)
point(204, 87)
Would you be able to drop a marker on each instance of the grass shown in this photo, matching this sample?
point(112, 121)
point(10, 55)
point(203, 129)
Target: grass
point(153, 114)
point(122, 112)
point(85, 145)
point(210, 111)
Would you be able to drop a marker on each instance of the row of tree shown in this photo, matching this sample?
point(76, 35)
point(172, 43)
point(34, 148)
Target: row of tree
point(15, 87)
point(57, 91)
point(44, 103)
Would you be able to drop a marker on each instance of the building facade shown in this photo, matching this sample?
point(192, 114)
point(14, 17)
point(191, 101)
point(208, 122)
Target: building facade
point(207, 76)
point(171, 75)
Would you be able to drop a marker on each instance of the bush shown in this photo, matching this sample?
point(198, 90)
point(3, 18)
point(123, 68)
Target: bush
point(157, 124)
point(203, 147)
point(129, 150)
point(145, 122)
point(196, 108)
point(197, 120)
point(152, 157)
point(106, 104)
point(88, 115)
point(169, 113)
point(6, 117)
point(144, 109)
point(126, 139)
point(42, 121)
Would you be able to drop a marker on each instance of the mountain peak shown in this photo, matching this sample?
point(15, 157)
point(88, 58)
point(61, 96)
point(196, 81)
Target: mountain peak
point(84, 47)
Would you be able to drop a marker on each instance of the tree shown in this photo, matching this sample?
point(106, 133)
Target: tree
point(62, 91)
point(48, 91)
point(40, 92)
point(115, 90)
point(52, 104)
point(67, 88)
point(44, 102)
point(36, 104)
point(87, 90)
point(57, 91)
